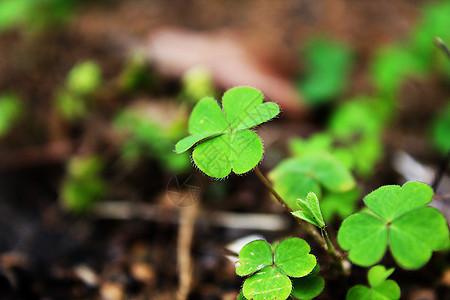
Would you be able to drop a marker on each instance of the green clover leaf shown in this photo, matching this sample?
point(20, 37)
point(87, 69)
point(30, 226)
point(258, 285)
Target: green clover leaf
point(308, 287)
point(269, 283)
point(224, 140)
point(253, 257)
point(295, 177)
point(380, 288)
point(270, 271)
point(398, 218)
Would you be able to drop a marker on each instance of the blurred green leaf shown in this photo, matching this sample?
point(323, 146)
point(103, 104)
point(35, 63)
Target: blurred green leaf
point(10, 111)
point(392, 65)
point(71, 106)
point(440, 130)
point(329, 65)
point(83, 185)
point(197, 84)
point(84, 78)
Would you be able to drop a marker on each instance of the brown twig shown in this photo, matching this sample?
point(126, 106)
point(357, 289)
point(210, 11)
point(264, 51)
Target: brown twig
point(185, 234)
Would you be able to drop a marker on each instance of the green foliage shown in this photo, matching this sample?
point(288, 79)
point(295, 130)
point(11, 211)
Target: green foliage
point(225, 141)
point(145, 137)
point(84, 78)
point(83, 185)
point(329, 66)
point(34, 15)
point(398, 217)
point(416, 56)
point(353, 135)
point(433, 23)
point(82, 82)
point(197, 84)
point(392, 65)
point(270, 270)
point(136, 74)
point(71, 106)
point(319, 173)
point(310, 210)
point(380, 288)
point(10, 111)
point(308, 287)
point(440, 130)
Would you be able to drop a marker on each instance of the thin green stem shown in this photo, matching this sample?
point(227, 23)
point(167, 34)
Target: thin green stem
point(323, 240)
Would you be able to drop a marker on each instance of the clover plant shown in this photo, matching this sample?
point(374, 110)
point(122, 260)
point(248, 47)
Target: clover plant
point(380, 288)
point(10, 111)
point(397, 217)
point(222, 137)
point(270, 271)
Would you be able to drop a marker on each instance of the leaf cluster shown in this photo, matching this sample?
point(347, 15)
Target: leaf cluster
point(221, 137)
point(269, 270)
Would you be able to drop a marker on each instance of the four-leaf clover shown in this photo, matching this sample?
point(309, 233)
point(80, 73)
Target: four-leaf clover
point(224, 140)
point(398, 217)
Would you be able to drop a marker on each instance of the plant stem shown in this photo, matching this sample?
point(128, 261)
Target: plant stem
point(323, 240)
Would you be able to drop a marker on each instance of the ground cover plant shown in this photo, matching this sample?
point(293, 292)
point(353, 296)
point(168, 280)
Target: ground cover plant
point(396, 216)
point(257, 150)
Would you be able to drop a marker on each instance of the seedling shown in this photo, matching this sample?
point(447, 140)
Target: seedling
point(222, 137)
point(380, 288)
point(270, 271)
point(399, 218)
